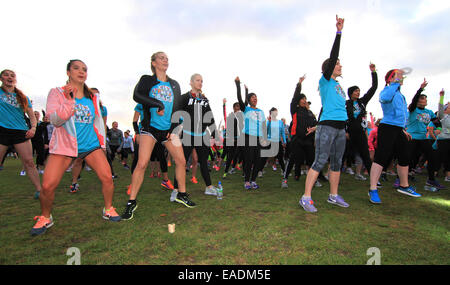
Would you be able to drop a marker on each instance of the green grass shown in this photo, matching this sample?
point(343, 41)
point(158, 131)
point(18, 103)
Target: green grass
point(264, 227)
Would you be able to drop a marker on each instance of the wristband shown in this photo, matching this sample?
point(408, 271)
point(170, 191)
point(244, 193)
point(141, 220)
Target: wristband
point(339, 32)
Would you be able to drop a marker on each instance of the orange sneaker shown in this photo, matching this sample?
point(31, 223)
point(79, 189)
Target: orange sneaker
point(111, 215)
point(167, 184)
point(151, 175)
point(169, 164)
point(129, 190)
point(194, 180)
point(41, 225)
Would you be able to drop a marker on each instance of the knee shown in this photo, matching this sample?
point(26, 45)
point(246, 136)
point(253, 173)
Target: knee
point(28, 163)
point(180, 161)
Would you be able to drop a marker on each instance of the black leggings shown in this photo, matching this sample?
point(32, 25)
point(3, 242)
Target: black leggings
point(359, 144)
point(426, 147)
point(202, 153)
point(252, 152)
point(444, 154)
point(279, 156)
point(392, 143)
point(300, 151)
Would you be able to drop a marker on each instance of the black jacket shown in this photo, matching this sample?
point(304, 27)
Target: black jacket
point(200, 114)
point(354, 124)
point(302, 118)
point(141, 95)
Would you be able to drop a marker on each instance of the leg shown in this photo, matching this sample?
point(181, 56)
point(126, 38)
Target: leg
point(175, 149)
point(25, 152)
point(99, 164)
point(147, 144)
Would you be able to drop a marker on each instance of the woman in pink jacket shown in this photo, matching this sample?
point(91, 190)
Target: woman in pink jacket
point(75, 112)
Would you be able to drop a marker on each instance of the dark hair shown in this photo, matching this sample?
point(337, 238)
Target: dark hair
point(236, 105)
point(273, 109)
point(325, 64)
point(87, 92)
point(21, 98)
point(414, 102)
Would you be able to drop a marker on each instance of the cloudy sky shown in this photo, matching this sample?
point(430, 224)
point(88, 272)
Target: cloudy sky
point(269, 44)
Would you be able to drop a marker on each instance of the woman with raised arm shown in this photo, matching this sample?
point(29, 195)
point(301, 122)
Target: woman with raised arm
point(79, 132)
point(444, 136)
point(330, 133)
point(357, 124)
point(14, 130)
point(160, 97)
point(254, 131)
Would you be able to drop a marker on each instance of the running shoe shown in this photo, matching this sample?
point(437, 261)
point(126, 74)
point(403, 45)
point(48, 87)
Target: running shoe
point(23, 173)
point(410, 191)
point(254, 185)
point(435, 184)
point(216, 167)
point(260, 174)
point(41, 225)
point(396, 183)
point(247, 186)
point(183, 198)
point(338, 200)
point(447, 179)
point(41, 171)
point(379, 185)
point(274, 168)
point(152, 175)
point(167, 184)
point(111, 215)
point(129, 210)
point(115, 176)
point(169, 164)
point(129, 190)
point(37, 194)
point(194, 180)
point(238, 167)
point(224, 176)
point(232, 171)
point(360, 177)
point(308, 205)
point(74, 188)
point(317, 184)
point(349, 171)
point(173, 195)
point(211, 191)
point(373, 197)
point(284, 183)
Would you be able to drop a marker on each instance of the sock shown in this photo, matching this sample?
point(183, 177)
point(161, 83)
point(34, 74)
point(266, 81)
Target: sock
point(306, 197)
point(333, 196)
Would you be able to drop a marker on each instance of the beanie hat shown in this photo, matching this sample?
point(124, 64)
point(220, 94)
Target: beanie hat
point(351, 90)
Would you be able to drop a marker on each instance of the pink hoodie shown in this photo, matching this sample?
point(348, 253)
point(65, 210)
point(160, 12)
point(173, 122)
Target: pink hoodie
point(60, 111)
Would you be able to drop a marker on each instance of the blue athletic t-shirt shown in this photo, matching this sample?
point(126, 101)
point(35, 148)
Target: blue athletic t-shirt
point(333, 100)
point(140, 110)
point(253, 119)
point(418, 122)
point(12, 115)
point(104, 111)
point(84, 125)
point(275, 131)
point(356, 109)
point(164, 93)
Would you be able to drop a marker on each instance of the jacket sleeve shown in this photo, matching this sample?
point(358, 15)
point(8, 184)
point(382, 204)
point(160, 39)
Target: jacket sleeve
point(388, 93)
point(59, 108)
point(334, 55)
point(141, 92)
point(296, 98)
point(366, 98)
point(242, 104)
point(441, 108)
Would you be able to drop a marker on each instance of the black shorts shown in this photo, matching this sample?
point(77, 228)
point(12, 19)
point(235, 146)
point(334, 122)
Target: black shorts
point(83, 155)
point(11, 137)
point(392, 142)
point(158, 135)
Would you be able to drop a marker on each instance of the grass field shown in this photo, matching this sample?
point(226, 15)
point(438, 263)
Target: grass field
point(263, 227)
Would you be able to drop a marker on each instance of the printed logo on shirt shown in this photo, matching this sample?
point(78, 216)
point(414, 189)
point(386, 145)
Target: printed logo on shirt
point(255, 116)
point(10, 99)
point(83, 114)
point(424, 118)
point(340, 91)
point(162, 93)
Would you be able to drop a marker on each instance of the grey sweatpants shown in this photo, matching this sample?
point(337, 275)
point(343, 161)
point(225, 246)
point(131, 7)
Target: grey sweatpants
point(330, 143)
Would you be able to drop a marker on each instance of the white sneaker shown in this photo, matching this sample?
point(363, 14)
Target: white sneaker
point(317, 184)
point(211, 191)
point(87, 168)
point(260, 174)
point(349, 171)
point(41, 171)
point(173, 195)
point(23, 173)
point(360, 177)
point(447, 179)
point(274, 168)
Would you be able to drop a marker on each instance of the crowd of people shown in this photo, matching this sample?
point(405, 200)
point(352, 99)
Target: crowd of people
point(171, 127)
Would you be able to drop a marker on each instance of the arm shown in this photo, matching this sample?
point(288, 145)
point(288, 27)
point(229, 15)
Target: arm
point(333, 57)
point(242, 104)
point(296, 97)
point(141, 92)
point(387, 95)
point(32, 131)
point(225, 111)
point(441, 105)
point(366, 98)
point(59, 112)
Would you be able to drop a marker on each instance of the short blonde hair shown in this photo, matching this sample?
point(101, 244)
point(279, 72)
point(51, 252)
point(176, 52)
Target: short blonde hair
point(153, 58)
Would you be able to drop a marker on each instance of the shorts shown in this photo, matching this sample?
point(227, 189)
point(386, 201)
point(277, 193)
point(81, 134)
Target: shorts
point(330, 144)
point(392, 142)
point(83, 155)
point(158, 135)
point(11, 137)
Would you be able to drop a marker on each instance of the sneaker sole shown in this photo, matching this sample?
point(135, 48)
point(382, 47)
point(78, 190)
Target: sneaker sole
point(409, 194)
point(337, 204)
point(183, 203)
point(108, 219)
point(132, 214)
point(46, 227)
point(306, 210)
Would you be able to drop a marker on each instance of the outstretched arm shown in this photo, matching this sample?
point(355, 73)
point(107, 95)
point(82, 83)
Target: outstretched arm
point(242, 104)
point(296, 97)
point(366, 98)
point(334, 55)
point(141, 92)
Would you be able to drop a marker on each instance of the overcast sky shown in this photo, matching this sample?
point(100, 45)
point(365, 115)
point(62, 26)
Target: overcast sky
point(269, 44)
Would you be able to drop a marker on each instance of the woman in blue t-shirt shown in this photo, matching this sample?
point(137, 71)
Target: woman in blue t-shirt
point(160, 97)
point(418, 120)
point(254, 132)
point(14, 130)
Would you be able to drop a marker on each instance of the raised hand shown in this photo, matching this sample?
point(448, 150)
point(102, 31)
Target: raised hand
point(237, 80)
point(339, 23)
point(69, 89)
point(424, 83)
point(224, 100)
point(442, 93)
point(372, 67)
point(302, 79)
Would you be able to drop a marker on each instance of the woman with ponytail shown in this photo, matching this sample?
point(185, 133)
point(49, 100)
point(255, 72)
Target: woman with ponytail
point(14, 130)
point(79, 132)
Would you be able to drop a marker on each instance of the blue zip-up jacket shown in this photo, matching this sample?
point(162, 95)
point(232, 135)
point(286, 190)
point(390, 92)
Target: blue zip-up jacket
point(393, 103)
